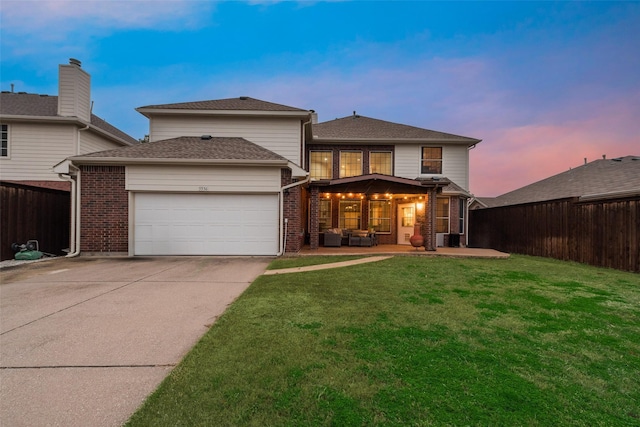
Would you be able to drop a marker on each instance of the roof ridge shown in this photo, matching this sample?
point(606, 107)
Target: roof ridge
point(238, 103)
point(357, 126)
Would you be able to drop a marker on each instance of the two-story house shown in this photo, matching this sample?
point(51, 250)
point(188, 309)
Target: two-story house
point(243, 176)
point(38, 131)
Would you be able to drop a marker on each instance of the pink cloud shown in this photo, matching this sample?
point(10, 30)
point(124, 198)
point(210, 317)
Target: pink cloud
point(512, 157)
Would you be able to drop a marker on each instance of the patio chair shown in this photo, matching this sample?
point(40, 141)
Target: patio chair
point(332, 239)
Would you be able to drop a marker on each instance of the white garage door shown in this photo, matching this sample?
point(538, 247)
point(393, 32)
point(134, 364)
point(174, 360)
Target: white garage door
point(205, 224)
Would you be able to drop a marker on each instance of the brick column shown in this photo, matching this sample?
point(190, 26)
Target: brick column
point(314, 220)
point(430, 234)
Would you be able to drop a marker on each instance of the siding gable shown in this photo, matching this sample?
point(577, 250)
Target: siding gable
point(455, 162)
point(204, 179)
point(35, 149)
point(280, 135)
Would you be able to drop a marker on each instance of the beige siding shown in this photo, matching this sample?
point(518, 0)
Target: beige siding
point(407, 161)
point(34, 149)
point(74, 92)
point(280, 135)
point(90, 142)
point(455, 162)
point(207, 179)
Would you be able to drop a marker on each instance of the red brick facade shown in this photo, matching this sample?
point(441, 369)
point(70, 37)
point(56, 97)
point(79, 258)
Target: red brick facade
point(336, 149)
point(104, 210)
point(294, 213)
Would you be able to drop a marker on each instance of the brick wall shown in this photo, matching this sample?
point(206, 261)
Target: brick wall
point(104, 209)
point(292, 211)
point(336, 149)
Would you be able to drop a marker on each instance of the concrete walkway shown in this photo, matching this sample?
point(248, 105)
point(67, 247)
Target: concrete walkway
point(380, 253)
point(326, 266)
point(84, 341)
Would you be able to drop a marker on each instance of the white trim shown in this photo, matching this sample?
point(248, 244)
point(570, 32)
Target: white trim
point(296, 171)
point(374, 141)
point(8, 156)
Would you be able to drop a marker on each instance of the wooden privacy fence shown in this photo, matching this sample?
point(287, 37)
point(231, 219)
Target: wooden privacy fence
point(604, 233)
point(32, 213)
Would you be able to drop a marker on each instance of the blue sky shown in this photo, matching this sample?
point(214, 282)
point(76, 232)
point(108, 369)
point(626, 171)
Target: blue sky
point(543, 84)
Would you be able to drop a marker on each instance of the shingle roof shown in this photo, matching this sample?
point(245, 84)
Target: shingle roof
point(595, 178)
point(452, 188)
point(361, 127)
point(191, 147)
point(242, 103)
point(28, 104)
point(35, 105)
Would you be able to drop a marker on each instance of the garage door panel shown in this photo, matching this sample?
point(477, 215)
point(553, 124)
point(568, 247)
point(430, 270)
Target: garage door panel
point(205, 224)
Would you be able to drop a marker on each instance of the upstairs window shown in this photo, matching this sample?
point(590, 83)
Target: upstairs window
point(4, 146)
point(431, 160)
point(321, 164)
point(380, 162)
point(350, 163)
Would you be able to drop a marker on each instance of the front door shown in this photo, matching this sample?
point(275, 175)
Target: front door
point(406, 221)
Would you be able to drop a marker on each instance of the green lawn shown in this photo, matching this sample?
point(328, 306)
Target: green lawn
point(417, 341)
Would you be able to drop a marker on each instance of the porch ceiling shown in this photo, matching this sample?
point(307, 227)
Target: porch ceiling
point(380, 184)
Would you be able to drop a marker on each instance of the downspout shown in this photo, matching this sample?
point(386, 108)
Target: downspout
point(74, 244)
point(74, 239)
point(304, 143)
point(466, 218)
point(282, 237)
point(467, 222)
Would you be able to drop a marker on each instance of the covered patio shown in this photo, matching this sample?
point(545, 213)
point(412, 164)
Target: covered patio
point(385, 205)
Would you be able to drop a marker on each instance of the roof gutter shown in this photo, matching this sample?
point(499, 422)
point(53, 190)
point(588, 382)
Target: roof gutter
point(465, 141)
point(82, 160)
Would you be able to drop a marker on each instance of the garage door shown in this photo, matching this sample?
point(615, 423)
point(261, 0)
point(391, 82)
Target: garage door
point(205, 224)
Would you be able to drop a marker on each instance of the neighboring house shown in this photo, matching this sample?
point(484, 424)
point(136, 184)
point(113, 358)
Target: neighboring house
point(480, 202)
point(243, 176)
point(601, 179)
point(589, 214)
point(39, 131)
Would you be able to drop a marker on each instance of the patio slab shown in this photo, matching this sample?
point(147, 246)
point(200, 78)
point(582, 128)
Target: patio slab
point(403, 250)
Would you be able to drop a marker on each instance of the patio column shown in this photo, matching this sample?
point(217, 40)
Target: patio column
point(430, 236)
point(314, 219)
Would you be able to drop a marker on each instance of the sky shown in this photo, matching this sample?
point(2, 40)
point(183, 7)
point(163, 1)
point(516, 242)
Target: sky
point(544, 85)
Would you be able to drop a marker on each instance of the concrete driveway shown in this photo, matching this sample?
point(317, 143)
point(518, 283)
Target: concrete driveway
point(84, 341)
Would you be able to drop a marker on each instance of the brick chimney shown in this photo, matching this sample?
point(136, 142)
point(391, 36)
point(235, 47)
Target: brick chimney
point(74, 91)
